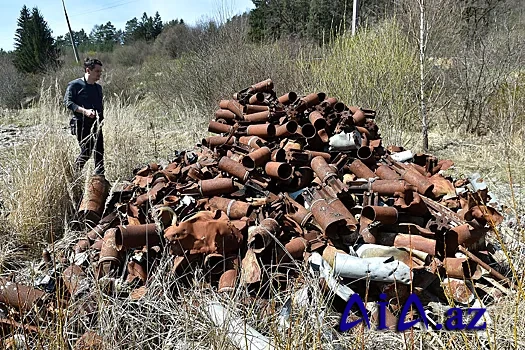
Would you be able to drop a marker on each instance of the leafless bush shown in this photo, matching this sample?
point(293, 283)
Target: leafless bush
point(11, 84)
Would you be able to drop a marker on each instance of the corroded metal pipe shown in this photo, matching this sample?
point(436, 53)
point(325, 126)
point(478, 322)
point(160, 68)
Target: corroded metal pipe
point(322, 169)
point(317, 120)
point(256, 98)
point(233, 208)
point(385, 215)
point(287, 129)
point(288, 98)
point(260, 237)
point(278, 170)
point(261, 130)
point(233, 168)
point(215, 187)
point(386, 173)
point(94, 199)
point(215, 141)
point(257, 158)
point(258, 117)
point(224, 114)
point(233, 106)
point(219, 128)
point(250, 109)
point(136, 236)
point(252, 141)
point(361, 170)
point(390, 187)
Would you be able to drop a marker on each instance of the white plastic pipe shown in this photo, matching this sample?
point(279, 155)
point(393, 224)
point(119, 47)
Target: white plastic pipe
point(240, 334)
point(402, 156)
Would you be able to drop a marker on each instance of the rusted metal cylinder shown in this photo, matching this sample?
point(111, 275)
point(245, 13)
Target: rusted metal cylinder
point(215, 187)
point(259, 237)
point(252, 141)
point(94, 199)
point(257, 158)
point(81, 246)
point(325, 155)
point(297, 212)
point(386, 173)
point(233, 106)
point(224, 114)
point(219, 128)
point(151, 195)
point(324, 215)
point(389, 187)
point(317, 120)
point(308, 131)
point(281, 171)
point(279, 155)
point(109, 258)
point(359, 117)
point(423, 244)
point(233, 168)
point(460, 268)
point(261, 130)
point(361, 170)
point(294, 250)
point(256, 98)
point(227, 281)
point(424, 186)
point(341, 209)
point(339, 107)
point(72, 277)
point(250, 109)
point(365, 154)
point(287, 129)
point(136, 236)
point(259, 117)
point(322, 169)
point(310, 100)
point(331, 101)
point(215, 141)
point(464, 235)
point(262, 86)
point(385, 215)
point(19, 296)
point(233, 208)
point(288, 98)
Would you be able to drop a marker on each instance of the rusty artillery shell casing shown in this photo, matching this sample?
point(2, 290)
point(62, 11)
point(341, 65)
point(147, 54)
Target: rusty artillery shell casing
point(215, 187)
point(136, 236)
point(386, 173)
point(233, 106)
point(464, 235)
point(340, 107)
point(460, 268)
point(250, 109)
point(359, 117)
point(385, 215)
point(262, 86)
point(389, 187)
point(288, 98)
point(233, 208)
point(256, 98)
point(233, 168)
point(322, 169)
point(310, 100)
point(259, 237)
point(252, 141)
point(257, 158)
point(361, 170)
point(317, 120)
point(294, 250)
point(258, 117)
point(365, 154)
point(287, 129)
point(224, 114)
point(424, 186)
point(72, 277)
point(329, 220)
point(215, 141)
point(19, 296)
point(94, 199)
point(308, 130)
point(282, 171)
point(423, 244)
point(227, 281)
point(219, 128)
point(330, 101)
point(81, 246)
point(109, 258)
point(297, 212)
point(261, 130)
point(279, 155)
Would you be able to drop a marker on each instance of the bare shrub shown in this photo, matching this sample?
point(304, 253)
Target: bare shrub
point(11, 84)
point(132, 55)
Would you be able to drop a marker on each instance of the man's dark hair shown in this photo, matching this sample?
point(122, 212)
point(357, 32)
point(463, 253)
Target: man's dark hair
point(91, 63)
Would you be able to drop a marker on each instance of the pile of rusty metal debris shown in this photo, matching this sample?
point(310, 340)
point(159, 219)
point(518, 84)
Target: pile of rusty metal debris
point(289, 182)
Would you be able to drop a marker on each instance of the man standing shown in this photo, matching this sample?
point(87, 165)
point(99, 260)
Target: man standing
point(84, 97)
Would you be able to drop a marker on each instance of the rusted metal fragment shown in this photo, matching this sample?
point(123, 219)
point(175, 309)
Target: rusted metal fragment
point(110, 259)
point(458, 290)
point(234, 209)
point(20, 296)
point(250, 268)
point(75, 279)
point(136, 236)
point(361, 170)
point(204, 233)
point(384, 215)
point(94, 199)
point(260, 237)
point(89, 341)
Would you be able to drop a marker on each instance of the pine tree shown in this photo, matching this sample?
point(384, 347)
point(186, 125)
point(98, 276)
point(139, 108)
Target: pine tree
point(35, 48)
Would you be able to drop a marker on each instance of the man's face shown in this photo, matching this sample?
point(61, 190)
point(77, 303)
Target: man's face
point(95, 73)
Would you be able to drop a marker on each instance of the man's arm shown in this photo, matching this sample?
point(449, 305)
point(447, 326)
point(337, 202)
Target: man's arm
point(69, 101)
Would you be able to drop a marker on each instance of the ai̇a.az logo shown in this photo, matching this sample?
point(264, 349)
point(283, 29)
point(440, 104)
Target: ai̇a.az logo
point(455, 317)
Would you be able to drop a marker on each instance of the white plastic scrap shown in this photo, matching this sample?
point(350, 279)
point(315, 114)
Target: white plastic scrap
point(345, 142)
point(402, 156)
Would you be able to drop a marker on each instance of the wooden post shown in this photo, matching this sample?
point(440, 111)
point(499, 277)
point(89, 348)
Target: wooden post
point(71, 34)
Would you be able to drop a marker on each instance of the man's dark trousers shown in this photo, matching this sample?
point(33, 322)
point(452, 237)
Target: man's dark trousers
point(90, 139)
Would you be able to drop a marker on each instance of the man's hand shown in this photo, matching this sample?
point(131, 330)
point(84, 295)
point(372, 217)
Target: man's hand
point(90, 113)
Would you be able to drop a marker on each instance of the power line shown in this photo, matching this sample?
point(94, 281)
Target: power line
point(104, 8)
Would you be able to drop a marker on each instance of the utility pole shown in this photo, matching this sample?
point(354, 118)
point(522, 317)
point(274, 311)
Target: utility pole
point(71, 34)
point(355, 16)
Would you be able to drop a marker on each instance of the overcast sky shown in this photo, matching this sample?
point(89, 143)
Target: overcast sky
point(86, 13)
